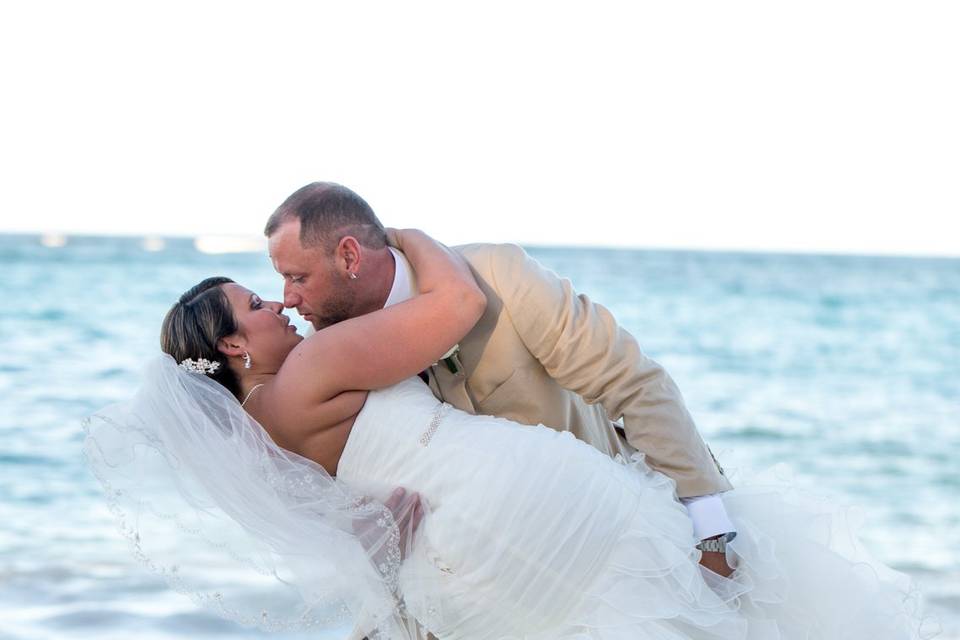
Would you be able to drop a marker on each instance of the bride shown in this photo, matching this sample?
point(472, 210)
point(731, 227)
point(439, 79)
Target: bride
point(256, 470)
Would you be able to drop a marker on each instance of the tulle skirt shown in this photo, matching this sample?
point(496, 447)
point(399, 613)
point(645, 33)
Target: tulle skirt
point(800, 574)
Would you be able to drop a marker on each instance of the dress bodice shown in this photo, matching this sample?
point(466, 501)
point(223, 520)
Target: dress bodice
point(387, 447)
point(405, 437)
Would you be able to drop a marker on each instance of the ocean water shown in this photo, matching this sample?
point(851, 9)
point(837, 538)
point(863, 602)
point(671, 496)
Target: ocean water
point(842, 371)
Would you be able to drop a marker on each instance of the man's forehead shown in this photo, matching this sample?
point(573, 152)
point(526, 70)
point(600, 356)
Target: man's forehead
point(289, 256)
point(283, 245)
point(286, 233)
point(283, 264)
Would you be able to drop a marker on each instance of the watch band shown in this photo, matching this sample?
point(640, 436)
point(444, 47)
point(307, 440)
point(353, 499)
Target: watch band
point(716, 545)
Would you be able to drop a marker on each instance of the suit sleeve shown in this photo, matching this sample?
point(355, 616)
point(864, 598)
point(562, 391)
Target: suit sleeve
point(582, 347)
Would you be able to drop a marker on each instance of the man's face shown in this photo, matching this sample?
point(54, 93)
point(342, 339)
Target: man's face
point(312, 281)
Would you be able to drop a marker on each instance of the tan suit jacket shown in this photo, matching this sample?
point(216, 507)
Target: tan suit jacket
point(543, 354)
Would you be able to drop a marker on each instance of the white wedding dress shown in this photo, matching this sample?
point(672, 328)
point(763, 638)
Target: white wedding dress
point(534, 534)
point(530, 533)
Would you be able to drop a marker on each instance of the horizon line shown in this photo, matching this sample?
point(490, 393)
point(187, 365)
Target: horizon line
point(248, 240)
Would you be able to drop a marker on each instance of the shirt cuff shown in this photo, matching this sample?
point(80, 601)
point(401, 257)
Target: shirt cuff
point(709, 516)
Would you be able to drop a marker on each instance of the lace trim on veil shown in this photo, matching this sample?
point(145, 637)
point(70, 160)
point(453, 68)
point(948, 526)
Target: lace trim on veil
point(253, 532)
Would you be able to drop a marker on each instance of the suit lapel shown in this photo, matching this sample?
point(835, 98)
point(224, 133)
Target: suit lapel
point(432, 383)
point(452, 387)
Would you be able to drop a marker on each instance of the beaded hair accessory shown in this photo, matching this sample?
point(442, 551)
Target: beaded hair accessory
point(200, 365)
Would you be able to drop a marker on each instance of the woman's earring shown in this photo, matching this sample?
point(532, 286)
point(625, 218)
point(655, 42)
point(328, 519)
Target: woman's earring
point(353, 276)
point(246, 360)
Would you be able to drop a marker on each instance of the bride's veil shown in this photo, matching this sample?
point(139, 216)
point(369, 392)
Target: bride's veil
point(261, 535)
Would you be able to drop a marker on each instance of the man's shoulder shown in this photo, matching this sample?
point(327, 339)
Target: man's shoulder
point(508, 269)
point(486, 256)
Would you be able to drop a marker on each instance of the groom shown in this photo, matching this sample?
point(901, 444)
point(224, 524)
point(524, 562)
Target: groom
point(541, 353)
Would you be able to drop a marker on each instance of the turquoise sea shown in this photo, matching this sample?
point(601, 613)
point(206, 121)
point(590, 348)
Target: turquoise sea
point(844, 371)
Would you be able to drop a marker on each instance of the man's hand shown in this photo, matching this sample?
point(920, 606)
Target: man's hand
point(716, 561)
point(407, 513)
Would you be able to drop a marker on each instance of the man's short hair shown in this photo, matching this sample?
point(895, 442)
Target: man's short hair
point(327, 212)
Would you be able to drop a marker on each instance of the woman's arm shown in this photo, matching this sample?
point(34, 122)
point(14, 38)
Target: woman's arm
point(386, 346)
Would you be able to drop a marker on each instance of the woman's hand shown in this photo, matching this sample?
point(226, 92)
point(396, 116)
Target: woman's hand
point(393, 237)
point(437, 267)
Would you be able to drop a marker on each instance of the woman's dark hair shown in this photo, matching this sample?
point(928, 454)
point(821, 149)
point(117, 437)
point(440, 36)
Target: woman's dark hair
point(194, 325)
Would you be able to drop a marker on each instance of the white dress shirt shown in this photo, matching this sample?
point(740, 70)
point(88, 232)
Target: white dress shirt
point(708, 514)
point(404, 280)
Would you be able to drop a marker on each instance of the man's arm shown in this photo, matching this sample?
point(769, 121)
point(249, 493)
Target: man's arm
point(583, 348)
point(711, 522)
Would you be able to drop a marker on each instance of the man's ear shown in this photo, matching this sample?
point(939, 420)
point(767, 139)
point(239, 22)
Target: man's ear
point(349, 254)
point(232, 345)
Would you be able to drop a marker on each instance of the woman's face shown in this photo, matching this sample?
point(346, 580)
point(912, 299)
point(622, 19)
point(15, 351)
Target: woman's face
point(266, 333)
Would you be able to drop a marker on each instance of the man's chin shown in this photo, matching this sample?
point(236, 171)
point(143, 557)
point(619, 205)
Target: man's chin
point(315, 322)
point(326, 321)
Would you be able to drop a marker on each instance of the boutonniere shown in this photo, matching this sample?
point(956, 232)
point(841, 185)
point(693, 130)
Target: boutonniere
point(452, 359)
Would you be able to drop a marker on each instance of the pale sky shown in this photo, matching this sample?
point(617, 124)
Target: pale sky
point(805, 126)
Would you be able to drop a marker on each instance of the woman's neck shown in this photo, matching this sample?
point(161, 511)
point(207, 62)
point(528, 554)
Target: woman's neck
point(251, 381)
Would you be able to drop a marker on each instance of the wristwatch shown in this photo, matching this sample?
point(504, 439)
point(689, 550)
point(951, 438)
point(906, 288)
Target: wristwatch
point(716, 545)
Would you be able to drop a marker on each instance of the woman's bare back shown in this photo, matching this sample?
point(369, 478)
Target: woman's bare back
point(324, 439)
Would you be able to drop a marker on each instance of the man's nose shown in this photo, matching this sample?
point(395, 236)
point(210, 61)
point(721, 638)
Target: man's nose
point(290, 299)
